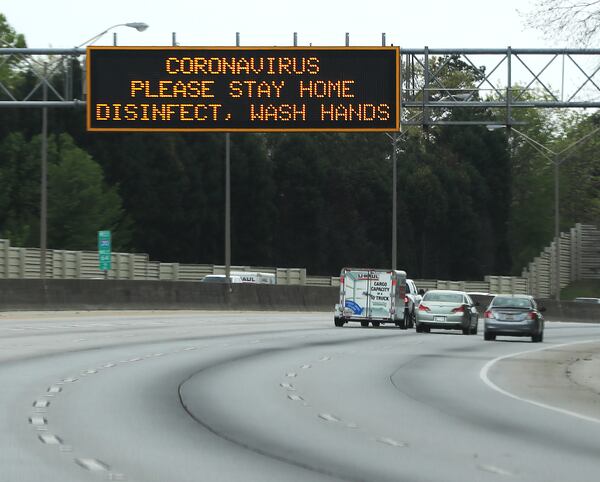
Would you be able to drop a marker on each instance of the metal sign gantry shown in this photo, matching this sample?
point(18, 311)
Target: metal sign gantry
point(499, 80)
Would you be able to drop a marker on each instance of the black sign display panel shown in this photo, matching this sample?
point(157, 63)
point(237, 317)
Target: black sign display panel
point(243, 89)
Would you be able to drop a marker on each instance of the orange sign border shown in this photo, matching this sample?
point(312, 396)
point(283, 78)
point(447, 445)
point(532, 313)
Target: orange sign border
point(221, 129)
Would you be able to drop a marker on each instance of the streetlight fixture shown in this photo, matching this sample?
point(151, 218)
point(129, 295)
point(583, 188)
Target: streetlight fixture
point(140, 27)
point(556, 158)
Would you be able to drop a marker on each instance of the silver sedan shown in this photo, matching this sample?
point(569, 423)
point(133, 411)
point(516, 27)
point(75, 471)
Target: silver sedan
point(448, 310)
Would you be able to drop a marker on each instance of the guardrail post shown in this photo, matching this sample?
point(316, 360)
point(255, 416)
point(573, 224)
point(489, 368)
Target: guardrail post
point(6, 255)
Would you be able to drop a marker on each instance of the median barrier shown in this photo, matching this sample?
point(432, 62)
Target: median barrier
point(79, 294)
point(570, 311)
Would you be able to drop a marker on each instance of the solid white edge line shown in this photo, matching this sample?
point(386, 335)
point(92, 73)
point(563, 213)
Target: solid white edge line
point(483, 374)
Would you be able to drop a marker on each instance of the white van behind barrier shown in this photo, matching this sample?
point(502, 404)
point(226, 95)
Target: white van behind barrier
point(242, 277)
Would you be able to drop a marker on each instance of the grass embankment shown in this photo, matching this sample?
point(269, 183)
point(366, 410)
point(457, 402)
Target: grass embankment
point(590, 288)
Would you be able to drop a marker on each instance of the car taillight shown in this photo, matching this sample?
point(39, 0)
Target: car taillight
point(488, 314)
point(422, 307)
point(532, 315)
point(460, 309)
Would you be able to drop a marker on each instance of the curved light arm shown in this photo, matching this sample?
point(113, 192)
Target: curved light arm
point(139, 26)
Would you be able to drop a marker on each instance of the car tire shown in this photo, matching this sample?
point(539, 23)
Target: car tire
point(426, 329)
point(364, 324)
point(418, 328)
point(537, 338)
point(474, 329)
point(488, 336)
point(404, 323)
point(338, 321)
point(375, 324)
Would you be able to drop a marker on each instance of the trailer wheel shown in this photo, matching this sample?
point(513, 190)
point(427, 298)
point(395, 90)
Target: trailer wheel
point(338, 321)
point(364, 324)
point(375, 324)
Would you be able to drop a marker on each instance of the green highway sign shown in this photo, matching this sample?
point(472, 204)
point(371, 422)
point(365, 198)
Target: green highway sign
point(104, 250)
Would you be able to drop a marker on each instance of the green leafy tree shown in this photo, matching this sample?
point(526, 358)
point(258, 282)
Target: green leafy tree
point(79, 201)
point(19, 190)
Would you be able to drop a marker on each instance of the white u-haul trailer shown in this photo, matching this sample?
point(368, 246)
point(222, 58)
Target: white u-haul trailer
point(372, 296)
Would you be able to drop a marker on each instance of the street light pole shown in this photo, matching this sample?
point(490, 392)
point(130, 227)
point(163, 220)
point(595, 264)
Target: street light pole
point(394, 202)
point(44, 180)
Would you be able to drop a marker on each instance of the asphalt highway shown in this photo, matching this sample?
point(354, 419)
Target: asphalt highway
point(260, 397)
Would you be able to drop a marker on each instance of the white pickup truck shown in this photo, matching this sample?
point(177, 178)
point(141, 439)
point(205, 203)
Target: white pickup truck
point(375, 296)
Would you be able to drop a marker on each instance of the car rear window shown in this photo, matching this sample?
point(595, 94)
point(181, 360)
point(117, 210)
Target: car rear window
point(509, 302)
point(448, 297)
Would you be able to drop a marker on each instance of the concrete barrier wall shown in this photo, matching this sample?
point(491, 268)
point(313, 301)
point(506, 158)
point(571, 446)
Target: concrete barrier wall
point(78, 294)
point(570, 311)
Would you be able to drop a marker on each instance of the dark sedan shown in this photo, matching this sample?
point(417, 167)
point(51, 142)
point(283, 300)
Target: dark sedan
point(513, 315)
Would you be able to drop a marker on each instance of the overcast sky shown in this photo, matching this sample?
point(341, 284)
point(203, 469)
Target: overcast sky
point(435, 23)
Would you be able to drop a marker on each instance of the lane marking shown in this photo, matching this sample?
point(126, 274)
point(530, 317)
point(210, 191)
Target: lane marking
point(295, 398)
point(328, 417)
point(54, 389)
point(37, 421)
point(41, 403)
point(92, 465)
point(70, 380)
point(391, 442)
point(50, 439)
point(291, 375)
point(288, 386)
point(325, 358)
point(483, 375)
point(495, 470)
point(304, 367)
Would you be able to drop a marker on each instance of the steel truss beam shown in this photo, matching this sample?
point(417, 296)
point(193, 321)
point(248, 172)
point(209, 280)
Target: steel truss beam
point(505, 79)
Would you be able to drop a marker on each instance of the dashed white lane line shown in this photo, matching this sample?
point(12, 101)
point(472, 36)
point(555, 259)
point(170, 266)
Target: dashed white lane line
point(483, 374)
point(37, 421)
point(291, 375)
point(328, 417)
point(391, 442)
point(494, 470)
point(325, 358)
point(288, 386)
point(41, 403)
point(70, 380)
point(54, 389)
point(295, 398)
point(50, 439)
point(92, 465)
point(304, 367)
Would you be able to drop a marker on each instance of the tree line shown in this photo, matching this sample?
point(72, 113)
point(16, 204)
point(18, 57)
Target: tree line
point(470, 202)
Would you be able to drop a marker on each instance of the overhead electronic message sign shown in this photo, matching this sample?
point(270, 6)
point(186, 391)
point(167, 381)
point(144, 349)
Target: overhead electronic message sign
point(243, 89)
